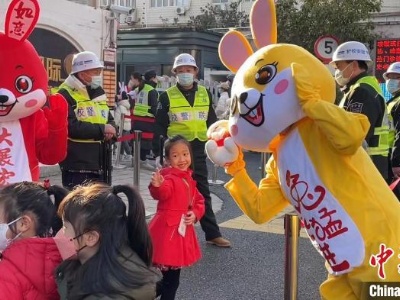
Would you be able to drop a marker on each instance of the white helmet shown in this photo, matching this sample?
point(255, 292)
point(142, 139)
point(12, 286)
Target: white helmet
point(85, 60)
point(351, 51)
point(393, 68)
point(184, 59)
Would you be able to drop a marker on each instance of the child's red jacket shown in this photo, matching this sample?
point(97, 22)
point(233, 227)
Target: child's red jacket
point(27, 270)
point(175, 195)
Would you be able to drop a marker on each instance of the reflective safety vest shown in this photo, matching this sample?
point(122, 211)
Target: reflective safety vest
point(392, 131)
point(142, 106)
point(382, 131)
point(87, 110)
point(188, 121)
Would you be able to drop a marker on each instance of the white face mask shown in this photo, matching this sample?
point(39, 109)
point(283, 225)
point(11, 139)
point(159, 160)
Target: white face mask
point(342, 81)
point(4, 241)
point(97, 81)
point(185, 79)
point(393, 85)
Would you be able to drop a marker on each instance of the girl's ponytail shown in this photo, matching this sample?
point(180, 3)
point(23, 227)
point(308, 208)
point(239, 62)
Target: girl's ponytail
point(56, 194)
point(138, 234)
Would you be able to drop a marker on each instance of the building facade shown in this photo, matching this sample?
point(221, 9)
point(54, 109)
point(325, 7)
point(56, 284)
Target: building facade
point(136, 35)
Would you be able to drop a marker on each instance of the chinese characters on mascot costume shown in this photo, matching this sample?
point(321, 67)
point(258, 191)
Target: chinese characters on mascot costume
point(28, 133)
point(283, 104)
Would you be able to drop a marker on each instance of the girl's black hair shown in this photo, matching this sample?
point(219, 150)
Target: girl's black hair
point(20, 198)
point(169, 143)
point(97, 207)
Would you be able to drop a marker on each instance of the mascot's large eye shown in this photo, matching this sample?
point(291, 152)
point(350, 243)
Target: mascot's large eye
point(266, 74)
point(23, 84)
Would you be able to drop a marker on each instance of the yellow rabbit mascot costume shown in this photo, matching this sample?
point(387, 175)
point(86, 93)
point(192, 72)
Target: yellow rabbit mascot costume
point(282, 102)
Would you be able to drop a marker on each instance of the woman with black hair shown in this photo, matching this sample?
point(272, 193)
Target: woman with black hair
point(114, 250)
point(28, 253)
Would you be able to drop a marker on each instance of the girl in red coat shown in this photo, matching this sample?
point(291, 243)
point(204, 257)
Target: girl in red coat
point(180, 205)
point(28, 253)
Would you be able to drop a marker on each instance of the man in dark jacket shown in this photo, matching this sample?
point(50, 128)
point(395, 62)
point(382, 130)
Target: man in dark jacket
point(392, 79)
point(362, 94)
point(90, 123)
point(186, 109)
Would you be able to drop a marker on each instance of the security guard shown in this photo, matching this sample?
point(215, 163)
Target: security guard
point(90, 122)
point(362, 94)
point(145, 106)
point(392, 78)
point(186, 109)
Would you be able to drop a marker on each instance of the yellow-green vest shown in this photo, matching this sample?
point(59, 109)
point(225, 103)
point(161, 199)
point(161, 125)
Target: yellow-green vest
point(142, 106)
point(86, 110)
point(188, 121)
point(382, 131)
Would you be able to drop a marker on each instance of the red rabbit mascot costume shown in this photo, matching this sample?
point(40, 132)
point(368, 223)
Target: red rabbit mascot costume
point(28, 133)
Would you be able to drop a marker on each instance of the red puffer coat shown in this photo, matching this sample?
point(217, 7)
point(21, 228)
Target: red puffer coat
point(174, 196)
point(27, 270)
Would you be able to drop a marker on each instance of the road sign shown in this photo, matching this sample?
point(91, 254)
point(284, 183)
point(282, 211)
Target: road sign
point(325, 46)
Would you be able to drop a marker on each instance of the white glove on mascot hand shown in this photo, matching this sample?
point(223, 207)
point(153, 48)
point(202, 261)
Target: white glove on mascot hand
point(220, 148)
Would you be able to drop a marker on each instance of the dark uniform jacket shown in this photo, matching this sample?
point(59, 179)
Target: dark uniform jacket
point(365, 100)
point(395, 113)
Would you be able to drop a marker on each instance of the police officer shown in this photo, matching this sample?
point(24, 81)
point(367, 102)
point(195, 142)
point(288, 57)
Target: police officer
point(145, 106)
point(90, 122)
point(186, 109)
point(392, 79)
point(362, 94)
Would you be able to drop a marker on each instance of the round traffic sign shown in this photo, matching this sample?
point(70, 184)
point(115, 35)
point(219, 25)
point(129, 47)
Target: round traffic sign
point(325, 46)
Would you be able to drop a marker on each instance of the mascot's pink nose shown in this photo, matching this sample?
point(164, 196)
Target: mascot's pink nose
point(3, 99)
point(243, 97)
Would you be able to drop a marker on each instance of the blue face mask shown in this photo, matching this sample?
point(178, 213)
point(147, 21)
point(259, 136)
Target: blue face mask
point(393, 85)
point(185, 79)
point(97, 81)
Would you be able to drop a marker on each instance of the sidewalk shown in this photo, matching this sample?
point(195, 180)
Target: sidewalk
point(123, 176)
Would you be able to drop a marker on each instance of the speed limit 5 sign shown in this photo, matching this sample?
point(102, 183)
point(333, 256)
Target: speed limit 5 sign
point(325, 46)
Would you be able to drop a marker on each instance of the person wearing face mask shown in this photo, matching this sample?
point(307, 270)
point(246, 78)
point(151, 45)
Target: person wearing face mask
point(186, 109)
point(90, 123)
point(144, 109)
point(224, 102)
point(362, 94)
point(113, 246)
point(29, 254)
point(392, 79)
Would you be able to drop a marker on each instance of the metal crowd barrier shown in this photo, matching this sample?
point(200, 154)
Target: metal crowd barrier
point(117, 164)
point(292, 232)
point(264, 159)
point(214, 180)
point(136, 136)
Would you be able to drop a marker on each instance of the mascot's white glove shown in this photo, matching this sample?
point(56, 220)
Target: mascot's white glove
point(222, 150)
point(157, 162)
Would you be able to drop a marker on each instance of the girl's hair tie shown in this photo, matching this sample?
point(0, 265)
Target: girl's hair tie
point(46, 184)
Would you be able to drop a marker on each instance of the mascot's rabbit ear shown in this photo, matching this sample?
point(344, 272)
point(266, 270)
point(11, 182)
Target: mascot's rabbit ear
point(263, 23)
point(234, 49)
point(21, 18)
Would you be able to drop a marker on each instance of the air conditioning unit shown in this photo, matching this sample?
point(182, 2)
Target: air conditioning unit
point(180, 10)
point(132, 18)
